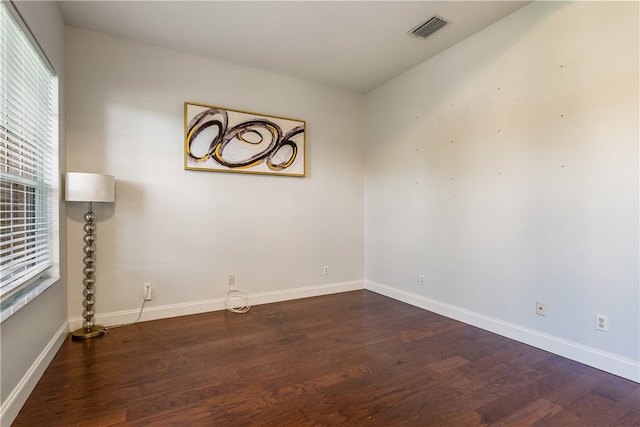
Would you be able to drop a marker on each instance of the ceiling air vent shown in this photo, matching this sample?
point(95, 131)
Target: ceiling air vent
point(423, 31)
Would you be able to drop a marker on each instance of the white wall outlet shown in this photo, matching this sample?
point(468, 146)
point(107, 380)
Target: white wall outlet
point(232, 279)
point(147, 291)
point(325, 270)
point(541, 308)
point(423, 279)
point(602, 323)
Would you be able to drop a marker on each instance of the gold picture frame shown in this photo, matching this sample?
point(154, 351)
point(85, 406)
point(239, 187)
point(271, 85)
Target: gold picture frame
point(224, 140)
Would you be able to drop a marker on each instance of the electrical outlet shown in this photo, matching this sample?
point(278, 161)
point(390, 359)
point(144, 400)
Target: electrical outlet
point(423, 279)
point(325, 270)
point(147, 291)
point(232, 279)
point(602, 323)
point(541, 308)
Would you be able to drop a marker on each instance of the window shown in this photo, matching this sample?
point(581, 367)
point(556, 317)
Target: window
point(28, 158)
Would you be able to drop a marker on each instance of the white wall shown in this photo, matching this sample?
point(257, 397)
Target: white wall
point(186, 231)
point(30, 338)
point(506, 170)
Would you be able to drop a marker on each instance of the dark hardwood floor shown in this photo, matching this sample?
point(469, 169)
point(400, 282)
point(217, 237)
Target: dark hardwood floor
point(355, 358)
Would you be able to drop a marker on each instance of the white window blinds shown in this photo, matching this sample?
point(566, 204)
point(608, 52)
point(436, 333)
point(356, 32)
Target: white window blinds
point(27, 157)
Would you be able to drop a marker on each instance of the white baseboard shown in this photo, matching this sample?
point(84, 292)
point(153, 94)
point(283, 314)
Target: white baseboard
point(195, 307)
point(306, 292)
point(612, 363)
point(19, 395)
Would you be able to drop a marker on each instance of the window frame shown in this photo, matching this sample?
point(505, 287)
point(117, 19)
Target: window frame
point(16, 293)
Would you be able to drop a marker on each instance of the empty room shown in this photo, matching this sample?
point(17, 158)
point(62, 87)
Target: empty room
point(297, 213)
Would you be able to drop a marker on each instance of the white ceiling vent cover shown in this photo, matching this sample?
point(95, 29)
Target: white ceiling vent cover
point(423, 31)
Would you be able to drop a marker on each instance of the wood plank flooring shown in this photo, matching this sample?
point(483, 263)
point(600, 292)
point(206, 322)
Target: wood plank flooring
point(355, 358)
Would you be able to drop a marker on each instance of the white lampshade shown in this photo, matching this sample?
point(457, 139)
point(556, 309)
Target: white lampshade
point(89, 187)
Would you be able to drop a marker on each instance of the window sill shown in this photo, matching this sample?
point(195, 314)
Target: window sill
point(14, 303)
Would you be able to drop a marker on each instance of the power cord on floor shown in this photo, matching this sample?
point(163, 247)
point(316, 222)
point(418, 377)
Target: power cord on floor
point(231, 294)
point(144, 300)
point(236, 294)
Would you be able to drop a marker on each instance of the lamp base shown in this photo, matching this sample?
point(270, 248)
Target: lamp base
point(83, 334)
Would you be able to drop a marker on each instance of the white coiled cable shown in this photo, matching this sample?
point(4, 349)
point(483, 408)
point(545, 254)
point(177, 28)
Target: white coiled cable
point(235, 295)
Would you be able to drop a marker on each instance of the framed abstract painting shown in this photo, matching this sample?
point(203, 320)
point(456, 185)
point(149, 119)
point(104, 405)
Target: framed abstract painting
point(223, 140)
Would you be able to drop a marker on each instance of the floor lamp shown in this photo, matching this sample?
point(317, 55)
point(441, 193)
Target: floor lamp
point(89, 187)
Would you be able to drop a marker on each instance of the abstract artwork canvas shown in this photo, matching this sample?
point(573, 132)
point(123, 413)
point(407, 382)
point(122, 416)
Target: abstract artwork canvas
point(223, 140)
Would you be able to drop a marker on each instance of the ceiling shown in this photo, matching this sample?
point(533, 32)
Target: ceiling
point(352, 45)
